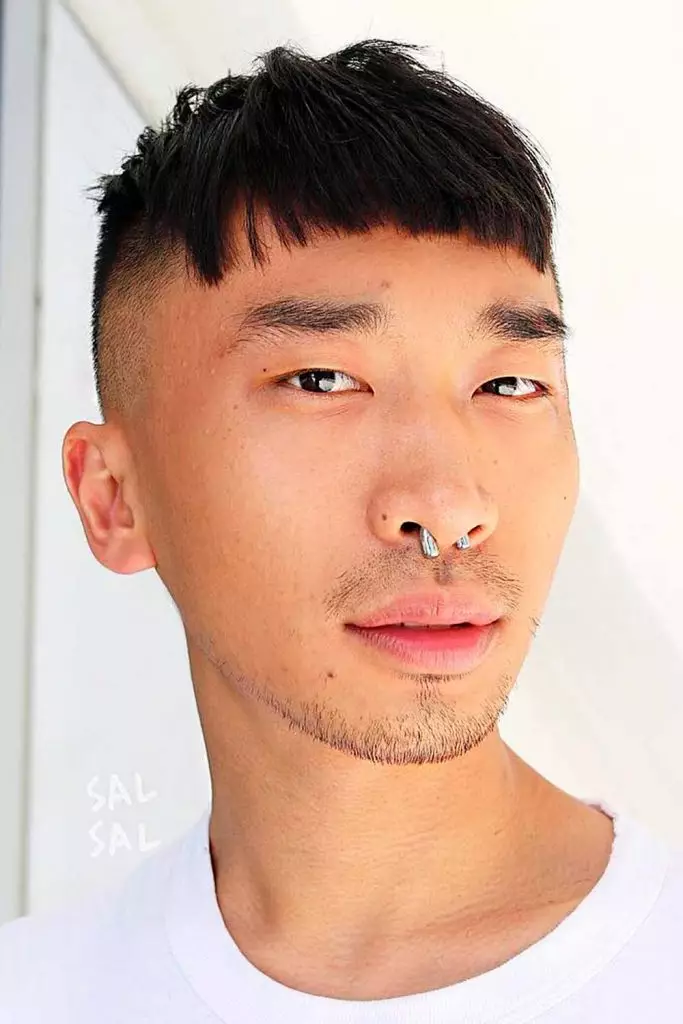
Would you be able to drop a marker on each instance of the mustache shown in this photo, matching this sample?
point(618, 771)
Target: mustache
point(390, 572)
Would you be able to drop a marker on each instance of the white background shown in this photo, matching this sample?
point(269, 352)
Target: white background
point(599, 706)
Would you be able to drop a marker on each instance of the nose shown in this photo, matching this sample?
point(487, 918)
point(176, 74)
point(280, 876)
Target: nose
point(438, 491)
point(453, 519)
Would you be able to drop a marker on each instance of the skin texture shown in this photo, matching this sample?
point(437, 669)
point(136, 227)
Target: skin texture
point(371, 834)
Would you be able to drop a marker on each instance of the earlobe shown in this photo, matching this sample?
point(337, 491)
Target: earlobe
point(93, 474)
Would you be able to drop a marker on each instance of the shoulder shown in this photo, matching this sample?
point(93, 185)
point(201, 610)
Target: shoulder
point(660, 935)
point(57, 963)
point(671, 896)
point(41, 958)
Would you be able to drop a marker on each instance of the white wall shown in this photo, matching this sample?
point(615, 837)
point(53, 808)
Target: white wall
point(21, 67)
point(111, 691)
point(599, 707)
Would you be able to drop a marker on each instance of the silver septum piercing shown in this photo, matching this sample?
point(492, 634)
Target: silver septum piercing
point(431, 549)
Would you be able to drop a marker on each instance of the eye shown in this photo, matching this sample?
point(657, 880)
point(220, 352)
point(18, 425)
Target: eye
point(509, 387)
point(319, 381)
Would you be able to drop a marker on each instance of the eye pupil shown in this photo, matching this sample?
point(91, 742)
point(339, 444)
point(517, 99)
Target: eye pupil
point(507, 384)
point(323, 379)
point(510, 386)
point(319, 381)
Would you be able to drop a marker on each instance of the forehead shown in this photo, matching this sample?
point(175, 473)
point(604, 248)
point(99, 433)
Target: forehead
point(420, 278)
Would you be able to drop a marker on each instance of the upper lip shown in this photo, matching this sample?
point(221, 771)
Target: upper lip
point(432, 610)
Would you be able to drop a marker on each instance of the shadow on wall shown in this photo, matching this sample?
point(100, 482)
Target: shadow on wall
point(601, 694)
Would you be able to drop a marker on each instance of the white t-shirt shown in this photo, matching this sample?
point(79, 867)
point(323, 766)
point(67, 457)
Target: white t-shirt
point(156, 951)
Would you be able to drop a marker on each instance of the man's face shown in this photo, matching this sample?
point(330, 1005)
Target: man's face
point(278, 511)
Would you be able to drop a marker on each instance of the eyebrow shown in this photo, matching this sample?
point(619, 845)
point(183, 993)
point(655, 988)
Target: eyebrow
point(293, 314)
point(504, 320)
point(522, 322)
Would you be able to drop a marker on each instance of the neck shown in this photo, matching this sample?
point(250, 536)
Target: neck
point(302, 835)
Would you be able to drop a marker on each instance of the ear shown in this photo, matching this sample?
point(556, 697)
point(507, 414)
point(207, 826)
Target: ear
point(99, 473)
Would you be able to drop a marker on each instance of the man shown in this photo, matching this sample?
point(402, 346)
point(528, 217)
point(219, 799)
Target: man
point(328, 344)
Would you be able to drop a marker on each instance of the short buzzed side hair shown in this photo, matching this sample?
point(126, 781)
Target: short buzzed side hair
point(362, 137)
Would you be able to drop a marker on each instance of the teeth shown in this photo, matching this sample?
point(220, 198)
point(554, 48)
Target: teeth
point(425, 625)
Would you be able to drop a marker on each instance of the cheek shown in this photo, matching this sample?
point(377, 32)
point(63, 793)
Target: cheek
point(247, 526)
point(537, 505)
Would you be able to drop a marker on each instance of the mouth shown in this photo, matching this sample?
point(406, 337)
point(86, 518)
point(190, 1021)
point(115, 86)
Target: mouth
point(458, 648)
point(423, 625)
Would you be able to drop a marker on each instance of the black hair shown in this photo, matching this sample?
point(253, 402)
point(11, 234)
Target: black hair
point(362, 137)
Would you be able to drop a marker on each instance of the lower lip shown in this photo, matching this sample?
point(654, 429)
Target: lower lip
point(442, 650)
